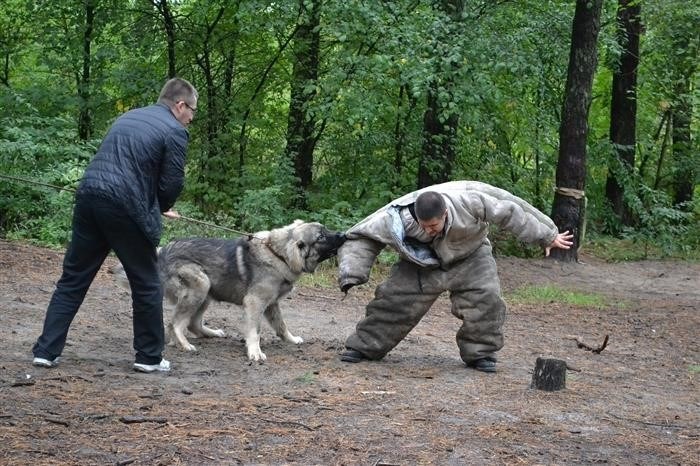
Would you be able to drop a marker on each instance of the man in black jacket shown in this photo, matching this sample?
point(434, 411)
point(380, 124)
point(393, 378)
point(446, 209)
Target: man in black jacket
point(136, 175)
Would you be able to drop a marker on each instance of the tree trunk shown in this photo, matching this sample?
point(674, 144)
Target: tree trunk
point(169, 26)
point(85, 113)
point(435, 164)
point(301, 125)
point(214, 165)
point(623, 108)
point(439, 128)
point(685, 161)
point(568, 209)
point(242, 134)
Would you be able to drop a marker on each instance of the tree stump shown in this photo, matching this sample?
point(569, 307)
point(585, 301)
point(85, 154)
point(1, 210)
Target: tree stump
point(549, 375)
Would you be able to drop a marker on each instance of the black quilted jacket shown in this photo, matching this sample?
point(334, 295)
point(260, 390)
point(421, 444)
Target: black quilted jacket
point(140, 166)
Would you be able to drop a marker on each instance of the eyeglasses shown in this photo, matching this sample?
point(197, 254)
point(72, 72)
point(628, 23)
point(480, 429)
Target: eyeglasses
point(194, 110)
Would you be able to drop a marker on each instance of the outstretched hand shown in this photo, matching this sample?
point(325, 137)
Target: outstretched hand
point(171, 214)
point(562, 241)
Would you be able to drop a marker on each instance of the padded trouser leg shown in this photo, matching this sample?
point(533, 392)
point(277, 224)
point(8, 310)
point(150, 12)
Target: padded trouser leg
point(399, 304)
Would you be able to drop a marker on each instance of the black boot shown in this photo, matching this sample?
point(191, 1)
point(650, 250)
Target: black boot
point(351, 355)
point(483, 365)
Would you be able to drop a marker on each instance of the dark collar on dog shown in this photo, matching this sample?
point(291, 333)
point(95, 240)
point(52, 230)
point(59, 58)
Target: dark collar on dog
point(274, 253)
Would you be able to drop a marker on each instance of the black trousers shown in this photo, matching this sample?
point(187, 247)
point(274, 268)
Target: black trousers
point(99, 225)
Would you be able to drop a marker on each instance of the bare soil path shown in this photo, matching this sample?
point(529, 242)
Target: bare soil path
point(637, 402)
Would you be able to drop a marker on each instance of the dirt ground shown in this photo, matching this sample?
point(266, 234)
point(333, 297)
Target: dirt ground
point(637, 402)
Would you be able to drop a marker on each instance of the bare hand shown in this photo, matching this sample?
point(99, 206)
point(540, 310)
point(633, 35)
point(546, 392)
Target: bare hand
point(562, 241)
point(171, 214)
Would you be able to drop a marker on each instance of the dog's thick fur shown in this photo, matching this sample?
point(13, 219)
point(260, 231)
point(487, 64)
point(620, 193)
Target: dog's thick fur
point(254, 273)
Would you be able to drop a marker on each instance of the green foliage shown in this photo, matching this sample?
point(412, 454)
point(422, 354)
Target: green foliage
point(661, 224)
point(40, 150)
point(378, 61)
point(262, 209)
point(50, 228)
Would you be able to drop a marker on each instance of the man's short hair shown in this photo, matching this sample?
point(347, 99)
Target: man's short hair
point(430, 205)
point(176, 90)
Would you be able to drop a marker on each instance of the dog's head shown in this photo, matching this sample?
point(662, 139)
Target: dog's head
point(306, 245)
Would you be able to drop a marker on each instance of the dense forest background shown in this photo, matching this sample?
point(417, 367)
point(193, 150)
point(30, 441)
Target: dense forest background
point(327, 109)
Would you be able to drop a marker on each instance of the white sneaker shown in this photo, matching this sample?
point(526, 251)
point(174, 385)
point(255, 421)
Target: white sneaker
point(163, 366)
point(41, 362)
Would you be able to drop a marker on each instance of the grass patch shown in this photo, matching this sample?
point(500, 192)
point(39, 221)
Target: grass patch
point(694, 369)
point(549, 294)
point(306, 378)
point(326, 274)
point(628, 249)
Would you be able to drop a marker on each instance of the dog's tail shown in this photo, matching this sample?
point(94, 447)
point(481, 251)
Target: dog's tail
point(120, 274)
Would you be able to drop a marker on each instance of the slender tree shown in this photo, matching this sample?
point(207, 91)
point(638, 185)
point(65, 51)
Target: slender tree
point(623, 107)
point(568, 210)
point(686, 160)
point(168, 20)
point(83, 77)
point(301, 124)
point(15, 34)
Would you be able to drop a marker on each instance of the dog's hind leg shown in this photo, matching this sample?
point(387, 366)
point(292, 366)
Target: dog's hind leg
point(192, 293)
point(274, 317)
point(197, 326)
point(180, 321)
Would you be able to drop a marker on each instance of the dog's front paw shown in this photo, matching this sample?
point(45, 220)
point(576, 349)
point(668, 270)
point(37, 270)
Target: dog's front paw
point(256, 354)
point(189, 347)
point(294, 339)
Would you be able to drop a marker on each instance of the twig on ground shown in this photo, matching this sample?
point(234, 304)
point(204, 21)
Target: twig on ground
point(572, 368)
point(379, 462)
point(296, 400)
point(583, 345)
point(23, 381)
point(292, 423)
point(42, 452)
point(56, 420)
point(64, 378)
point(656, 424)
point(137, 419)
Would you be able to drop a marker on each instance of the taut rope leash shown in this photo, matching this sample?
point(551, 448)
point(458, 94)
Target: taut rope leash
point(23, 180)
point(189, 219)
point(213, 225)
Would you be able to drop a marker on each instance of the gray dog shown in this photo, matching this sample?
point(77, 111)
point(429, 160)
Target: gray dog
point(254, 273)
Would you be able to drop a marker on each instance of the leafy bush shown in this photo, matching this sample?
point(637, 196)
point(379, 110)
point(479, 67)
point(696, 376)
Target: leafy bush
point(661, 224)
point(41, 151)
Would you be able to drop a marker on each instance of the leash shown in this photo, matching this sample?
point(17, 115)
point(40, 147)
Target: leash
point(23, 180)
point(213, 225)
point(189, 219)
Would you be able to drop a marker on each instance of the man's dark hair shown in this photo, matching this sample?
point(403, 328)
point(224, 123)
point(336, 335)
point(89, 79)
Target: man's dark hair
point(430, 205)
point(177, 89)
